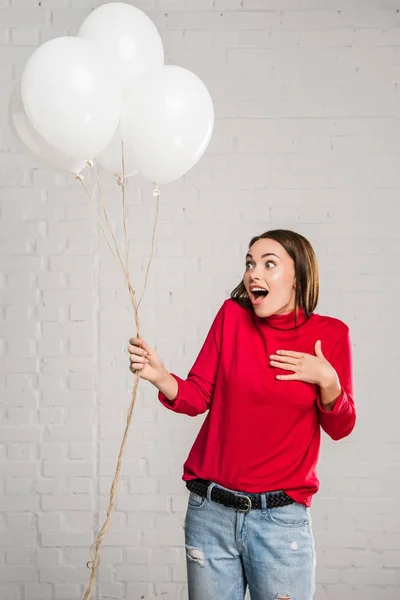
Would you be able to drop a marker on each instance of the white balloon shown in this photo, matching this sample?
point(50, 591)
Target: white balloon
point(127, 37)
point(71, 96)
point(111, 158)
point(167, 120)
point(34, 144)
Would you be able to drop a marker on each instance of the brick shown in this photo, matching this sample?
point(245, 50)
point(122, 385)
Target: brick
point(26, 538)
point(69, 263)
point(124, 538)
point(67, 502)
point(48, 485)
point(81, 485)
point(18, 416)
point(75, 556)
point(50, 4)
point(17, 366)
point(19, 556)
point(11, 591)
point(174, 590)
point(63, 574)
point(81, 451)
point(53, 451)
point(138, 556)
point(19, 382)
point(65, 590)
point(21, 452)
point(67, 434)
point(77, 416)
point(138, 590)
point(19, 434)
point(142, 573)
point(68, 538)
point(16, 521)
point(141, 520)
point(38, 591)
point(24, 36)
point(67, 398)
point(68, 19)
point(51, 415)
point(17, 574)
point(169, 538)
point(76, 468)
point(110, 590)
point(49, 521)
point(18, 486)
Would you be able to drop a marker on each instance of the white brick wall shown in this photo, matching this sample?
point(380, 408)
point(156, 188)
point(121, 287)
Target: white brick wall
point(307, 136)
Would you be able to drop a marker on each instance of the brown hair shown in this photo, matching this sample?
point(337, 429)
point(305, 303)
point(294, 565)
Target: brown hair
point(305, 268)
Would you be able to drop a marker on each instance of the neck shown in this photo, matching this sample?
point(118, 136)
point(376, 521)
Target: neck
point(285, 320)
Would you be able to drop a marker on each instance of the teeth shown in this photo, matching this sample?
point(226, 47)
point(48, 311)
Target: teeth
point(259, 289)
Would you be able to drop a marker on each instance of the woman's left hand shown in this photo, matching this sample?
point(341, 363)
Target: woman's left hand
point(306, 367)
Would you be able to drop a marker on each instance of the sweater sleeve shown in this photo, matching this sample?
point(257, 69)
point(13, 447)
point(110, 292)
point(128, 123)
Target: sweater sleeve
point(196, 392)
point(339, 422)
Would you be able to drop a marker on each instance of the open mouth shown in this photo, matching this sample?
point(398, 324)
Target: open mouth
point(258, 295)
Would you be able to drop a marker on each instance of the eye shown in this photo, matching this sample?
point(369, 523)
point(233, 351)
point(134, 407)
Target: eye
point(248, 265)
point(270, 264)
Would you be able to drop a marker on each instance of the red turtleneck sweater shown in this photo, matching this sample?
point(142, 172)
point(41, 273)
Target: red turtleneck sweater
point(262, 434)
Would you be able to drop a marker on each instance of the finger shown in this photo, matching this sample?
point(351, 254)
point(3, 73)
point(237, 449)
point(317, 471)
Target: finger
point(138, 359)
point(135, 350)
point(282, 366)
point(136, 367)
point(290, 353)
point(138, 341)
point(318, 349)
point(145, 345)
point(288, 377)
point(284, 359)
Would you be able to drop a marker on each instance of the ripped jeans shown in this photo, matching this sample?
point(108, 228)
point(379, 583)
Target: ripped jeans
point(269, 551)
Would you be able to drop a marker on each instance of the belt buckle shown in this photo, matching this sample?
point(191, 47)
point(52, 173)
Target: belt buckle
point(248, 508)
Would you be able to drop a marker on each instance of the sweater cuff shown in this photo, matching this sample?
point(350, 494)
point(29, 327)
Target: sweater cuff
point(165, 401)
point(339, 403)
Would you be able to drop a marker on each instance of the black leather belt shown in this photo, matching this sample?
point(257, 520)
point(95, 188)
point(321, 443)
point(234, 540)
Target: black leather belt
point(237, 500)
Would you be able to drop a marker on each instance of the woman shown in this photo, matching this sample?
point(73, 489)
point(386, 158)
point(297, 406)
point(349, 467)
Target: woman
point(271, 373)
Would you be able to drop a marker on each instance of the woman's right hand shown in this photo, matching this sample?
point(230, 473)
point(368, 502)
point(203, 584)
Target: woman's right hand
point(145, 361)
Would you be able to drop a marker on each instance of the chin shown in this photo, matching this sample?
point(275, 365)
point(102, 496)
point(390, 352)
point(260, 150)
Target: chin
point(263, 312)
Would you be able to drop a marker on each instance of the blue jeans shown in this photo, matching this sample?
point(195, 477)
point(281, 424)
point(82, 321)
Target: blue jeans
point(269, 551)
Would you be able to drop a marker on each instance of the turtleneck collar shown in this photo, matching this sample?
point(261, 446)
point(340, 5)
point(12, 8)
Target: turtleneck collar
point(284, 322)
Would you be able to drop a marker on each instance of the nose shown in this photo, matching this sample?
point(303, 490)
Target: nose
point(256, 273)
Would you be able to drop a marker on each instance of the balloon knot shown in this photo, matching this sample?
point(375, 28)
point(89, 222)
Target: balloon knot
point(89, 163)
point(91, 564)
point(156, 190)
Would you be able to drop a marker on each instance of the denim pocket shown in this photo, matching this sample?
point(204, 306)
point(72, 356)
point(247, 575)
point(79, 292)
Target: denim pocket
point(195, 501)
point(292, 515)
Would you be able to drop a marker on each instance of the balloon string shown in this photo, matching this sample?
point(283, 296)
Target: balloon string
point(93, 564)
point(153, 237)
point(125, 213)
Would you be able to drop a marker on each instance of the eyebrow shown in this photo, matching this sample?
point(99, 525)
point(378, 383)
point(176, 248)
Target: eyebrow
point(263, 255)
